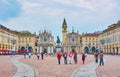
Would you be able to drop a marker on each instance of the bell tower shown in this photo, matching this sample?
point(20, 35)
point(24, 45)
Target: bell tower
point(64, 31)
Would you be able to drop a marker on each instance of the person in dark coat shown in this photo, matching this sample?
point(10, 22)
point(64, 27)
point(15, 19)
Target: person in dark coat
point(38, 56)
point(96, 57)
point(65, 57)
point(75, 57)
point(42, 55)
point(83, 58)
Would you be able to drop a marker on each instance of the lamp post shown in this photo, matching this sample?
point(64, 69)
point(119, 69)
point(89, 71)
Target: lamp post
point(13, 42)
point(81, 47)
point(102, 42)
point(27, 45)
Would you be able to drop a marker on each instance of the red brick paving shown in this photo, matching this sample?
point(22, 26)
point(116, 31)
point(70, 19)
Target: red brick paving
point(7, 69)
point(49, 67)
point(111, 67)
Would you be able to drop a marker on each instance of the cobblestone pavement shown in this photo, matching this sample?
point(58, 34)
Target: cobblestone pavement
point(111, 67)
point(89, 70)
point(7, 69)
point(23, 70)
point(49, 67)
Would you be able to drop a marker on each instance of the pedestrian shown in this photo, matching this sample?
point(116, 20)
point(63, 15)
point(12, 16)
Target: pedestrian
point(75, 57)
point(24, 55)
point(65, 57)
point(29, 54)
point(42, 55)
point(59, 57)
point(96, 57)
point(83, 57)
point(38, 56)
point(70, 57)
point(101, 55)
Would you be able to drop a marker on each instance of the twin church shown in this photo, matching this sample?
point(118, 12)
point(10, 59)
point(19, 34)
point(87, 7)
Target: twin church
point(70, 41)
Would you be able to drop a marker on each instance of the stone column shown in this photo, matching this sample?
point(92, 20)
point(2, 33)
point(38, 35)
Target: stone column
point(108, 49)
point(68, 49)
point(118, 50)
point(48, 49)
point(37, 49)
point(51, 49)
point(77, 49)
point(40, 49)
point(115, 49)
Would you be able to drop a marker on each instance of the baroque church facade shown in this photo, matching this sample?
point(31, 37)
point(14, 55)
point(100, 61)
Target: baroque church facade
point(70, 41)
point(45, 42)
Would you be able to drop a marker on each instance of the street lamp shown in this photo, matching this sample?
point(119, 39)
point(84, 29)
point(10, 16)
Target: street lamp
point(27, 46)
point(81, 47)
point(13, 42)
point(89, 46)
point(102, 42)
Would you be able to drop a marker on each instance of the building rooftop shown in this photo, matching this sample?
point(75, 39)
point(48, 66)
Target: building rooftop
point(6, 29)
point(112, 27)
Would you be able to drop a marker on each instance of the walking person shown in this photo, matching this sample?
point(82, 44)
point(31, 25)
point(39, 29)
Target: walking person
point(83, 58)
point(96, 57)
point(70, 55)
point(38, 56)
point(65, 57)
point(75, 57)
point(59, 57)
point(30, 54)
point(24, 55)
point(42, 55)
point(101, 55)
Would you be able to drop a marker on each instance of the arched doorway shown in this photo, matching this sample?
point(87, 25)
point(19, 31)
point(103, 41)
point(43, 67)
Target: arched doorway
point(96, 50)
point(93, 49)
point(30, 49)
point(22, 48)
point(86, 50)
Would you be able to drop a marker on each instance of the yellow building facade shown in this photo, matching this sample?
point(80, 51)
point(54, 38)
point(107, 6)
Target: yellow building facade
point(8, 39)
point(89, 42)
point(27, 41)
point(109, 39)
point(12, 41)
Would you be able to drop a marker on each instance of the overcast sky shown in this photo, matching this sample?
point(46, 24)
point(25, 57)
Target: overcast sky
point(35, 15)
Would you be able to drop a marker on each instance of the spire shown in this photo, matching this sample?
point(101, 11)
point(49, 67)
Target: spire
point(72, 29)
point(64, 23)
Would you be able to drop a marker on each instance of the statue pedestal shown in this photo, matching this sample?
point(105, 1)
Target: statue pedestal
point(58, 48)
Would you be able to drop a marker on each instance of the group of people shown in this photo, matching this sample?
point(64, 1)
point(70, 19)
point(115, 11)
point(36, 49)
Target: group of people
point(68, 57)
point(37, 54)
point(29, 55)
point(42, 55)
point(99, 56)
